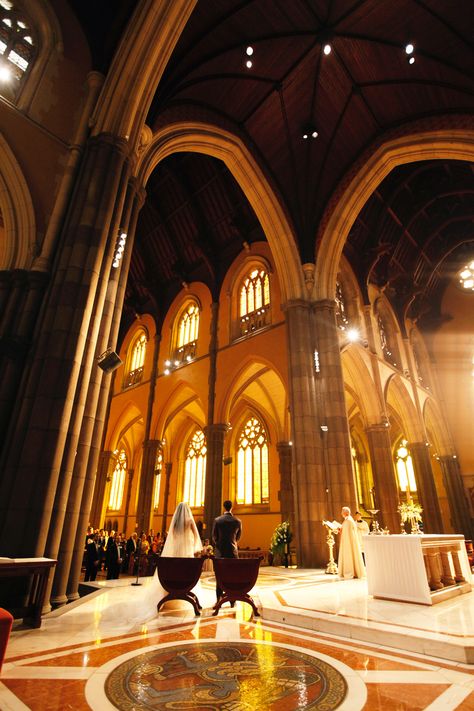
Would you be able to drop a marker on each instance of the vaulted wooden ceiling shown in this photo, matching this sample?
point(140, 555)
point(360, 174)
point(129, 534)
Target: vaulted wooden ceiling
point(413, 231)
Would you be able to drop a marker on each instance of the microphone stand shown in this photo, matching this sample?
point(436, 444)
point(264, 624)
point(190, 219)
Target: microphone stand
point(137, 553)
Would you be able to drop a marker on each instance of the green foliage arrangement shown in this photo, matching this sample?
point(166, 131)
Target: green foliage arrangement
point(282, 537)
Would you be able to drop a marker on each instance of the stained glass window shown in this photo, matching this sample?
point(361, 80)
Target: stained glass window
point(252, 464)
point(195, 470)
point(118, 482)
point(17, 47)
point(137, 360)
point(188, 327)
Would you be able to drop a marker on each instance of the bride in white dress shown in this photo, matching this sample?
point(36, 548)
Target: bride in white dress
point(183, 541)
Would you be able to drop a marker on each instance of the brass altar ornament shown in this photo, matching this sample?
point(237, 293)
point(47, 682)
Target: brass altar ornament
point(332, 527)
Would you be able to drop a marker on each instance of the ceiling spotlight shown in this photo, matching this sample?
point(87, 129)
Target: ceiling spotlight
point(5, 74)
point(248, 64)
point(409, 49)
point(249, 51)
point(327, 49)
point(411, 60)
point(353, 335)
point(309, 131)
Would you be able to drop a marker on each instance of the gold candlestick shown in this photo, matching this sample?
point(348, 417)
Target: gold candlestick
point(331, 568)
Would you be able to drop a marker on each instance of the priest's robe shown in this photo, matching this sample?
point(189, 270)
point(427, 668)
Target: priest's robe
point(350, 561)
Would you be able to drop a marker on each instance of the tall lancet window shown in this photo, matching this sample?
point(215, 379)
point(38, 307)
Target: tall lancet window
point(254, 301)
point(117, 485)
point(252, 464)
point(137, 354)
point(17, 46)
point(195, 470)
point(405, 471)
point(187, 333)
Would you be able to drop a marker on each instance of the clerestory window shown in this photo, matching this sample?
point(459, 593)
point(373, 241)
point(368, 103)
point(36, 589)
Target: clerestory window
point(254, 301)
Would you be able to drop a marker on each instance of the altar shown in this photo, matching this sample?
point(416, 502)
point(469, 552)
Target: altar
point(423, 569)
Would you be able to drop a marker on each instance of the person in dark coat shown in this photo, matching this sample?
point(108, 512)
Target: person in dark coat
point(112, 557)
point(226, 531)
point(92, 558)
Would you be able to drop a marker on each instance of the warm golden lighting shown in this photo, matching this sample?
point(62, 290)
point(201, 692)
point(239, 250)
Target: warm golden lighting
point(252, 464)
point(118, 482)
point(466, 276)
point(405, 471)
point(195, 470)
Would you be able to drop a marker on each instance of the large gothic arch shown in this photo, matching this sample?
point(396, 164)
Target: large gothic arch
point(444, 143)
point(16, 206)
point(221, 144)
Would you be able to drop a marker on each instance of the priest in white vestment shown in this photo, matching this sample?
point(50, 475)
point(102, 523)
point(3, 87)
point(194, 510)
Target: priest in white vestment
point(350, 561)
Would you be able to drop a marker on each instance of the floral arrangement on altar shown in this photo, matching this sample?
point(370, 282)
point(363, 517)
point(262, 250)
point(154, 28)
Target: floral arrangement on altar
point(410, 511)
point(281, 539)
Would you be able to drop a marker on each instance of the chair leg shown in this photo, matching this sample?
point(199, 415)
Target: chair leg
point(247, 598)
point(195, 597)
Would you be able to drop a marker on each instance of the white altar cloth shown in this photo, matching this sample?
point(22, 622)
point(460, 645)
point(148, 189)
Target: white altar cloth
point(396, 569)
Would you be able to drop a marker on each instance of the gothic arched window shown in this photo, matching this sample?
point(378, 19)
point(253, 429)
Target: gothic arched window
point(136, 360)
point(254, 301)
point(195, 470)
point(118, 482)
point(17, 45)
point(187, 333)
point(405, 471)
point(252, 464)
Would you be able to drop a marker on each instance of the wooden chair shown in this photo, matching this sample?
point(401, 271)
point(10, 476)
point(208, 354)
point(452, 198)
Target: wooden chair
point(178, 576)
point(236, 577)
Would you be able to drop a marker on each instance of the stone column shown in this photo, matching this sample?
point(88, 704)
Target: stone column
point(322, 470)
point(385, 483)
point(131, 473)
point(20, 301)
point(104, 471)
point(36, 445)
point(147, 482)
point(332, 412)
point(287, 506)
point(458, 503)
point(166, 495)
point(428, 497)
point(215, 436)
point(98, 401)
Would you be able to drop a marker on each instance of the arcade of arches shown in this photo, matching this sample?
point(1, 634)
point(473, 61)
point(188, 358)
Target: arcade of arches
point(295, 342)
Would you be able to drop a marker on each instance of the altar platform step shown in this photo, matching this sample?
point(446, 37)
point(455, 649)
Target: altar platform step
point(312, 600)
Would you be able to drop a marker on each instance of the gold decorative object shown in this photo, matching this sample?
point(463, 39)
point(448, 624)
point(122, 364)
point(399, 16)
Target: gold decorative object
point(410, 511)
point(332, 527)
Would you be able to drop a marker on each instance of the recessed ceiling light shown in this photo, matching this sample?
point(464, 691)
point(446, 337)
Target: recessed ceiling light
point(248, 64)
point(5, 74)
point(409, 49)
point(249, 51)
point(327, 49)
point(411, 60)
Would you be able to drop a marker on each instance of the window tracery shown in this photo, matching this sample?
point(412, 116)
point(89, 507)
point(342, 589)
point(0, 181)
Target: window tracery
point(118, 482)
point(17, 44)
point(254, 301)
point(187, 334)
point(195, 470)
point(252, 464)
point(136, 363)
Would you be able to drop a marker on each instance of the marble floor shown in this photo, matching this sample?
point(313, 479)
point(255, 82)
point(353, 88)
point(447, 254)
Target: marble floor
point(319, 644)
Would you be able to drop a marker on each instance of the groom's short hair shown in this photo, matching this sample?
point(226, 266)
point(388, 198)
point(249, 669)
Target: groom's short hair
point(227, 505)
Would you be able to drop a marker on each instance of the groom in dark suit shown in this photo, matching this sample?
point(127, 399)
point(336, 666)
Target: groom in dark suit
point(226, 531)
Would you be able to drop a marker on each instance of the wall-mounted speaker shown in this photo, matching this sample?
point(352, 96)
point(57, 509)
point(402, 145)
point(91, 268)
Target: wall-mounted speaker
point(109, 361)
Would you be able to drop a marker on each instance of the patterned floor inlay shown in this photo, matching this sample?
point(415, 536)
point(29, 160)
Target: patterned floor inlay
point(225, 676)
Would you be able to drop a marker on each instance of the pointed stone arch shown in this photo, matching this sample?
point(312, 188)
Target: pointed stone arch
point(197, 137)
point(444, 143)
point(399, 399)
point(358, 379)
point(16, 206)
point(261, 386)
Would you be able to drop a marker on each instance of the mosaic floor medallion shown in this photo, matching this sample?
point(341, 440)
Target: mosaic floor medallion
point(225, 676)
